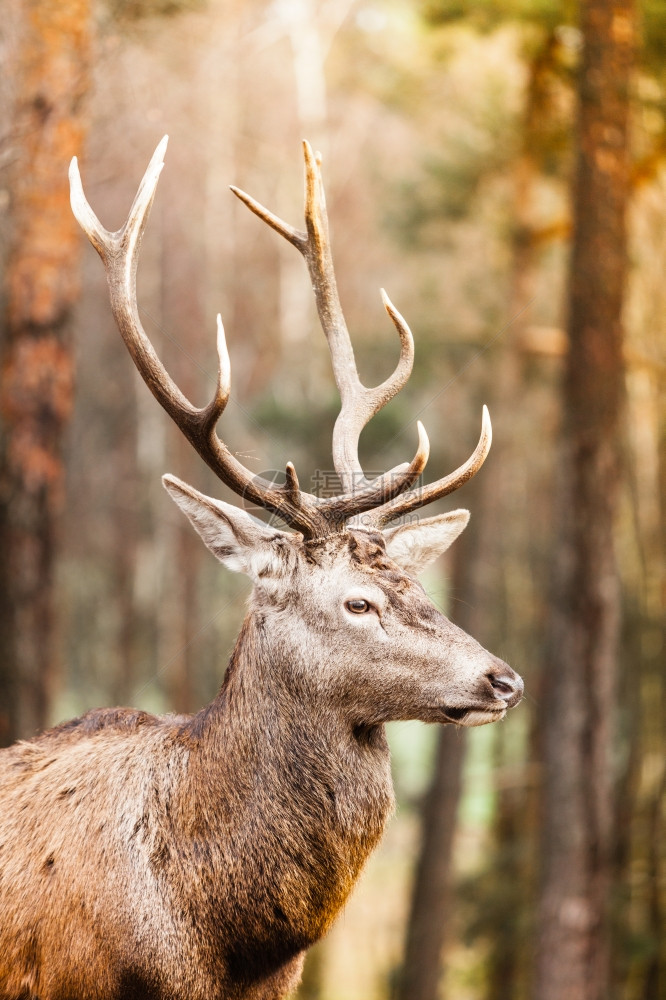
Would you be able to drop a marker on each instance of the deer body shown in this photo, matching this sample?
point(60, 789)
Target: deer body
point(221, 859)
point(198, 857)
point(186, 857)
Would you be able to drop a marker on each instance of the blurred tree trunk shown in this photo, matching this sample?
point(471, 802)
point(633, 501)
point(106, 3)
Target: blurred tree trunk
point(482, 577)
point(431, 896)
point(640, 820)
point(511, 857)
point(50, 71)
point(429, 915)
point(578, 700)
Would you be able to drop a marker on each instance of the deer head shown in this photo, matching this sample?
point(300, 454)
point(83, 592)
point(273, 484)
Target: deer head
point(342, 588)
point(355, 630)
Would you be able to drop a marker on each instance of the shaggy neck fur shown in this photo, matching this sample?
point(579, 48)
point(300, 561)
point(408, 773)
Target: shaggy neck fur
point(299, 810)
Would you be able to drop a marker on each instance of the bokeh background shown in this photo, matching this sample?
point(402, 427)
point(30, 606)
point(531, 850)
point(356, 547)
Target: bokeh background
point(526, 859)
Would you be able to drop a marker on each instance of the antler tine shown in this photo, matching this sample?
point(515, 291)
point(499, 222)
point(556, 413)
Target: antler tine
point(409, 502)
point(359, 403)
point(290, 234)
point(119, 252)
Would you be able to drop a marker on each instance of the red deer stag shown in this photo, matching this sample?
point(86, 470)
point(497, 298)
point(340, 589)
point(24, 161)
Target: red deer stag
point(193, 858)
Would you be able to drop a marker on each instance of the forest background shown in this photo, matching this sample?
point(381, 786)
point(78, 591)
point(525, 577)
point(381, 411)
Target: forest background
point(526, 859)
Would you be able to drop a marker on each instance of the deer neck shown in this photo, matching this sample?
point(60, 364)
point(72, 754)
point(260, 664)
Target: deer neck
point(282, 739)
point(293, 782)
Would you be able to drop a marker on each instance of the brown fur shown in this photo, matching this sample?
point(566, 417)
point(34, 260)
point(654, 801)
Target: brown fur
point(194, 858)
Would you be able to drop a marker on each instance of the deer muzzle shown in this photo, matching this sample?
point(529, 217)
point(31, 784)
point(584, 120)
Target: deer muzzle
point(506, 685)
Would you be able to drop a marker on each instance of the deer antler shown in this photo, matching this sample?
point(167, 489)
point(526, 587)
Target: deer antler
point(312, 515)
point(360, 403)
point(405, 504)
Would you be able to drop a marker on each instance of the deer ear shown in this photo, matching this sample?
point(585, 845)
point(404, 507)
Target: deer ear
point(415, 546)
point(241, 542)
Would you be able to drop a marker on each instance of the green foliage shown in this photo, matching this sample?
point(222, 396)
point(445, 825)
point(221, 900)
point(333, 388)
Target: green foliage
point(488, 15)
point(451, 180)
point(653, 16)
point(306, 430)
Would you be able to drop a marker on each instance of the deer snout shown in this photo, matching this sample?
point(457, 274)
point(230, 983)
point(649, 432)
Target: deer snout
point(507, 685)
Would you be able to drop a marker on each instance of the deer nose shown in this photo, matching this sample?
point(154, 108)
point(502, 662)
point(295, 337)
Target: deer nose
point(507, 685)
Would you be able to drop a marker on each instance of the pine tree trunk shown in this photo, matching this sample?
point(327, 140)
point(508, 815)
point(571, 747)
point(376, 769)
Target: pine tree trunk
point(429, 920)
point(578, 701)
point(50, 73)
point(431, 896)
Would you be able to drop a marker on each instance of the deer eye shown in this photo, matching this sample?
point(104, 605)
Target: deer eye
point(358, 607)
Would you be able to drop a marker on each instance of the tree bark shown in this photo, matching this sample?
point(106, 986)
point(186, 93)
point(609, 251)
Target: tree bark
point(429, 912)
point(36, 377)
point(429, 921)
point(572, 959)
